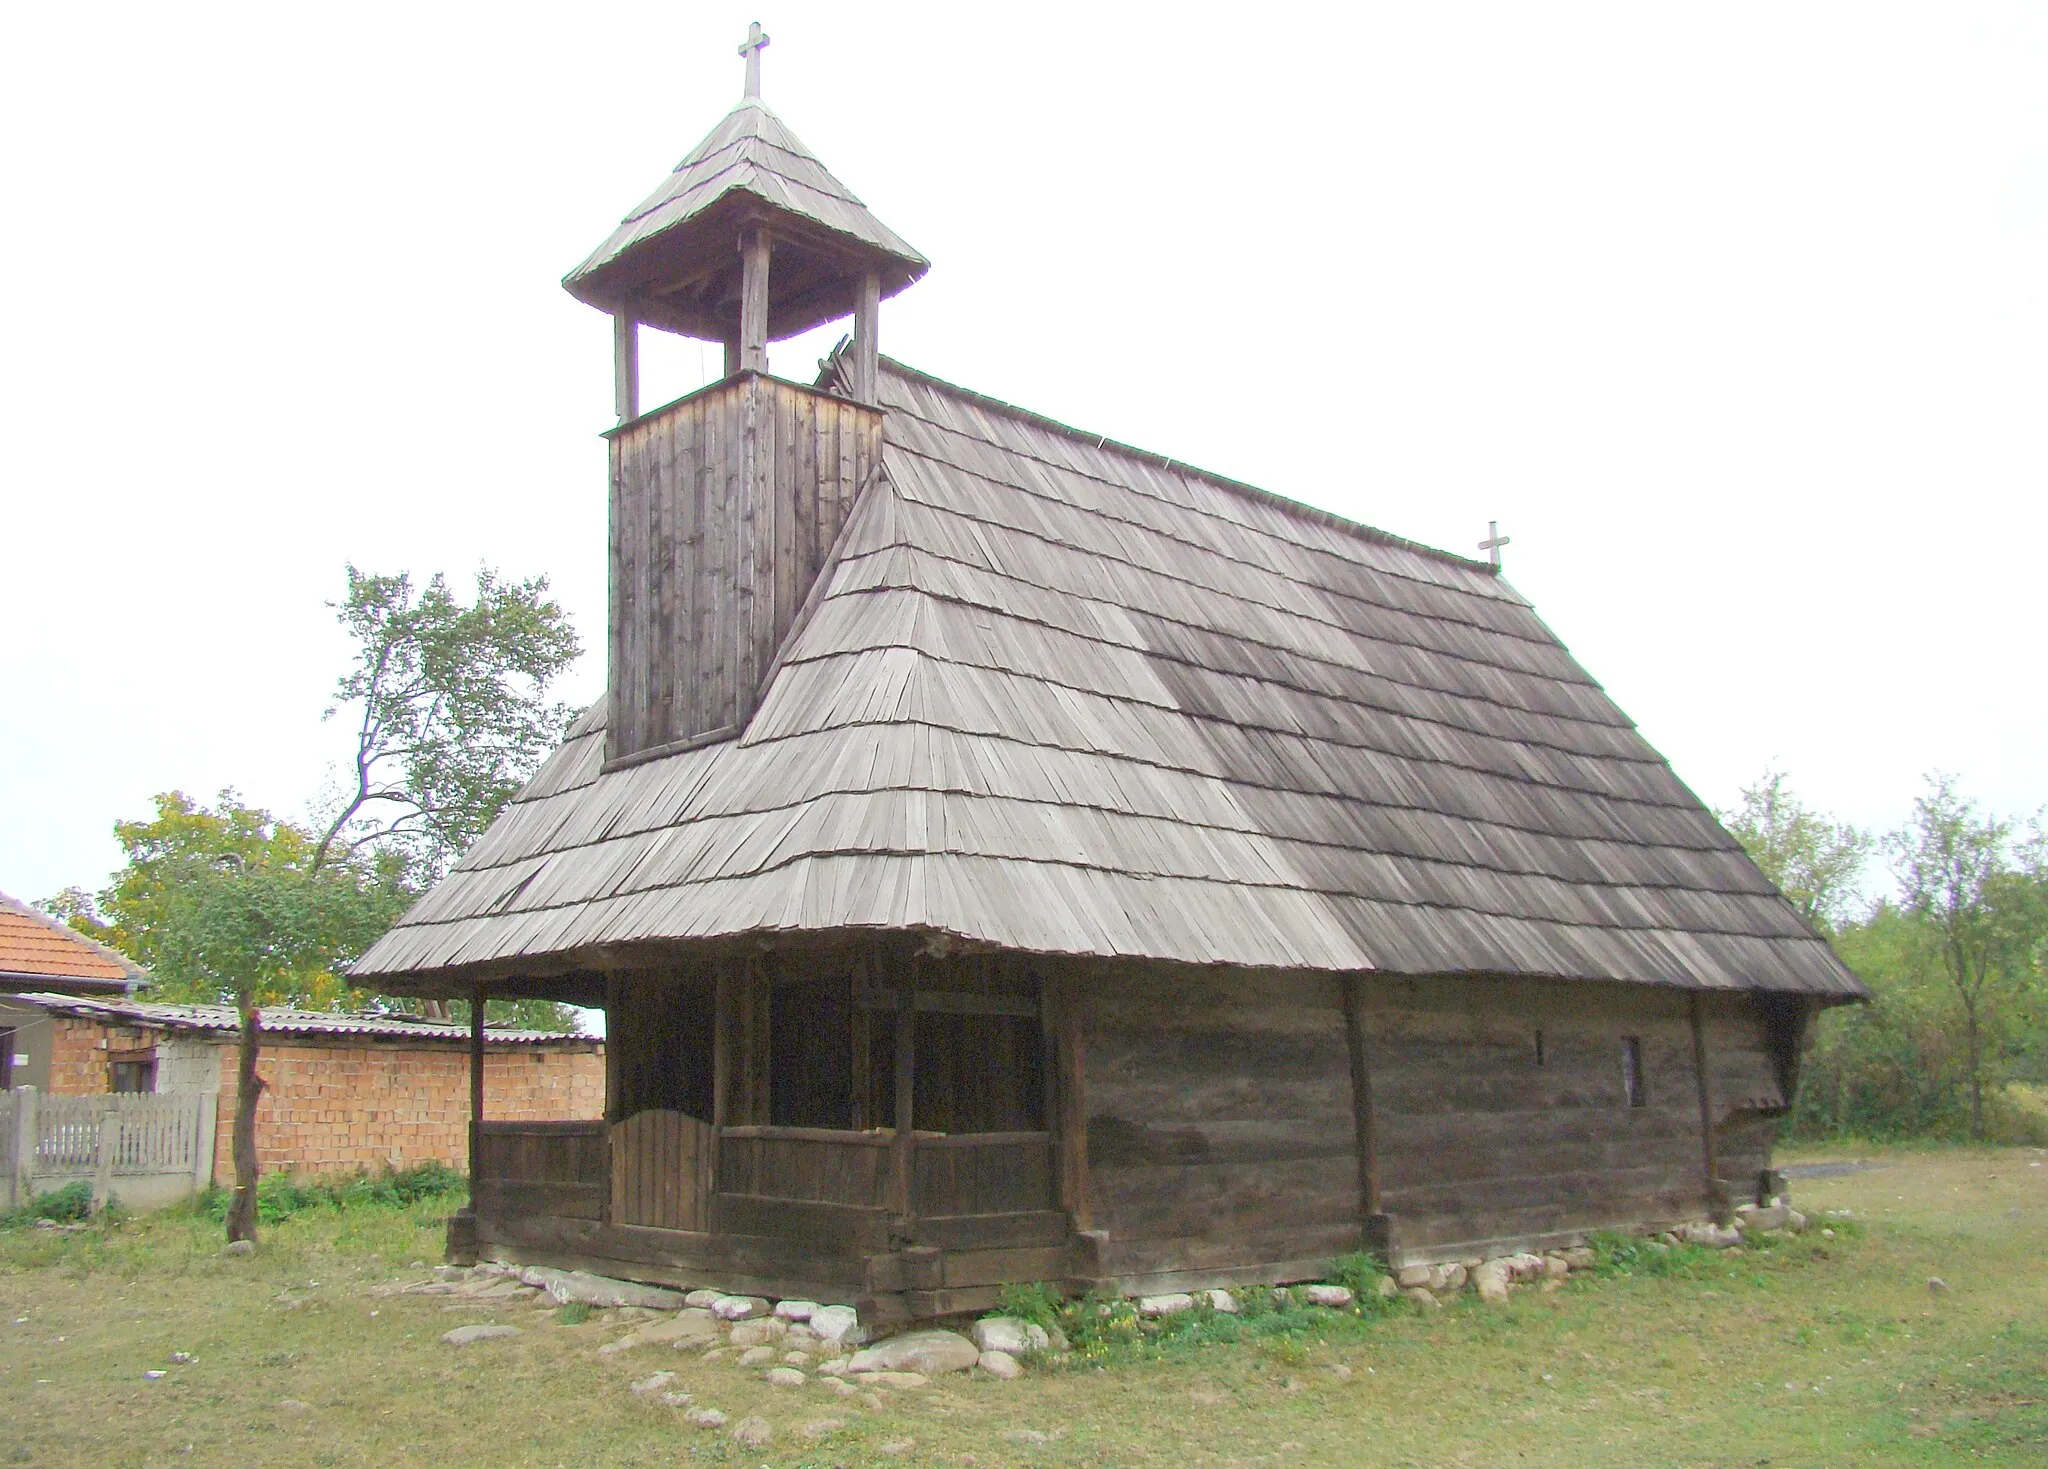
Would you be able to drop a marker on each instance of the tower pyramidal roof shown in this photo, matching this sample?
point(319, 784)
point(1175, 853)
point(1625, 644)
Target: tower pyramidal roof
point(672, 260)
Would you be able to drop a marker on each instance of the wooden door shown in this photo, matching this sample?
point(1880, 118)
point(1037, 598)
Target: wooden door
point(661, 1171)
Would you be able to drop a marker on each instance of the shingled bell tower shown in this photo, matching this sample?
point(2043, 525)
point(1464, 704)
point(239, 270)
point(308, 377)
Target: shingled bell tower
point(725, 503)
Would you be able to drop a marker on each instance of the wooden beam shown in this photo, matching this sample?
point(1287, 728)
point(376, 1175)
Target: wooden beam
point(861, 1039)
point(1069, 1060)
point(867, 316)
point(625, 364)
point(476, 1083)
point(721, 1064)
point(1363, 1119)
point(904, 1161)
point(1717, 1203)
point(758, 1080)
point(732, 353)
point(756, 249)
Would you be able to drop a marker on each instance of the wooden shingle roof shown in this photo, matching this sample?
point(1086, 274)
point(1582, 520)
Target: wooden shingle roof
point(750, 166)
point(1062, 697)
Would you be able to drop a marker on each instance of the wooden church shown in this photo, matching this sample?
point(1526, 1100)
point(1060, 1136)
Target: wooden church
point(1006, 855)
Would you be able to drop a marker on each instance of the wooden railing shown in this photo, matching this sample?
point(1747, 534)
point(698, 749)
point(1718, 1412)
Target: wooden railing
point(982, 1173)
point(559, 1168)
point(809, 1164)
point(951, 1174)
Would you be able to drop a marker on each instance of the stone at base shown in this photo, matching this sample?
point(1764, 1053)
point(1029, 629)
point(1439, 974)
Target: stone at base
point(928, 1352)
point(752, 1433)
point(1001, 1365)
point(240, 1247)
point(838, 1326)
point(462, 1246)
point(1009, 1334)
point(462, 1336)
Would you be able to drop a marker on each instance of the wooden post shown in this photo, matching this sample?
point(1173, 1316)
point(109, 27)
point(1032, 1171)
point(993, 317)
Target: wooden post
point(756, 250)
point(859, 977)
point(1710, 1160)
point(1372, 1216)
point(476, 1087)
point(24, 1144)
point(1072, 1093)
point(759, 1109)
point(867, 316)
point(721, 1064)
point(626, 363)
point(903, 1158)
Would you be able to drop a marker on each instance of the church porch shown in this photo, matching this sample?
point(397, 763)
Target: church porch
point(858, 1122)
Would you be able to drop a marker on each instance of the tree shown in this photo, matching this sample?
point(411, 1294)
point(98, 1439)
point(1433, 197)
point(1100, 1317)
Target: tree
point(1965, 876)
point(1813, 860)
point(454, 713)
point(231, 904)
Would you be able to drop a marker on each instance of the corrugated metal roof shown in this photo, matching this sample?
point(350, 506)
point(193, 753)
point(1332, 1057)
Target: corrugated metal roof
point(290, 1022)
point(1065, 698)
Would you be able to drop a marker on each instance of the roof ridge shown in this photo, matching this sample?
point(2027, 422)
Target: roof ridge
point(1297, 508)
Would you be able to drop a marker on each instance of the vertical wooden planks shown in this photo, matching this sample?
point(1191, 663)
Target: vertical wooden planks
point(724, 508)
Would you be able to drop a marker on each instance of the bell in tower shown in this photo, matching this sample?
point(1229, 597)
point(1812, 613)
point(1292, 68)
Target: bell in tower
point(749, 241)
point(726, 503)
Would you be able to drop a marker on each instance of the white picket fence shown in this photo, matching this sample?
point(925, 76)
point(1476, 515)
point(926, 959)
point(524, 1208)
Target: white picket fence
point(142, 1148)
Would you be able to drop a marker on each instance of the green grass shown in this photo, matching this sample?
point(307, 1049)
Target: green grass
point(1808, 1352)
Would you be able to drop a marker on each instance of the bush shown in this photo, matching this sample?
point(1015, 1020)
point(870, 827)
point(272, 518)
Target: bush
point(1896, 1069)
point(1035, 1301)
point(281, 1195)
point(67, 1205)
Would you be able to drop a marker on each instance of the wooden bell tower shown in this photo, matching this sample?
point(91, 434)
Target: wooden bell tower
point(725, 503)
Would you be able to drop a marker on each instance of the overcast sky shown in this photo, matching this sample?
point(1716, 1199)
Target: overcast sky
point(1734, 316)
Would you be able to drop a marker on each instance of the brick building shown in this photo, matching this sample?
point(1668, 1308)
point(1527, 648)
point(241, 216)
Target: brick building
point(341, 1091)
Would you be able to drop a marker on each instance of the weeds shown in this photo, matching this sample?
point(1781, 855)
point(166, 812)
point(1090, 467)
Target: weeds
point(71, 1204)
point(281, 1195)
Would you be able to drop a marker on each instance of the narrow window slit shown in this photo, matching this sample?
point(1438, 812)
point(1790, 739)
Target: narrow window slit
point(1632, 1071)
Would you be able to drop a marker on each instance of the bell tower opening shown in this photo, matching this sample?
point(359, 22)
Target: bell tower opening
point(725, 503)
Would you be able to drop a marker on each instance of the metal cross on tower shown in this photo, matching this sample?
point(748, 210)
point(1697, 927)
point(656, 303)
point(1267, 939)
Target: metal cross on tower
point(1493, 542)
point(751, 48)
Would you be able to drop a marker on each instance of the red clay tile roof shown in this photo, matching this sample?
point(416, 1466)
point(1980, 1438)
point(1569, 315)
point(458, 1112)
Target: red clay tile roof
point(34, 944)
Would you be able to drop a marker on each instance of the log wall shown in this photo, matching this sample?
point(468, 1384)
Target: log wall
point(724, 506)
point(1220, 1139)
point(1489, 1141)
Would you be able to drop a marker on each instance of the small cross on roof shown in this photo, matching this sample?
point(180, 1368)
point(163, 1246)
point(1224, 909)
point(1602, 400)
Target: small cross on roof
point(751, 48)
point(1493, 542)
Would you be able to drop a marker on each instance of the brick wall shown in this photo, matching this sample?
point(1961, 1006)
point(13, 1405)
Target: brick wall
point(78, 1054)
point(330, 1108)
point(334, 1106)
